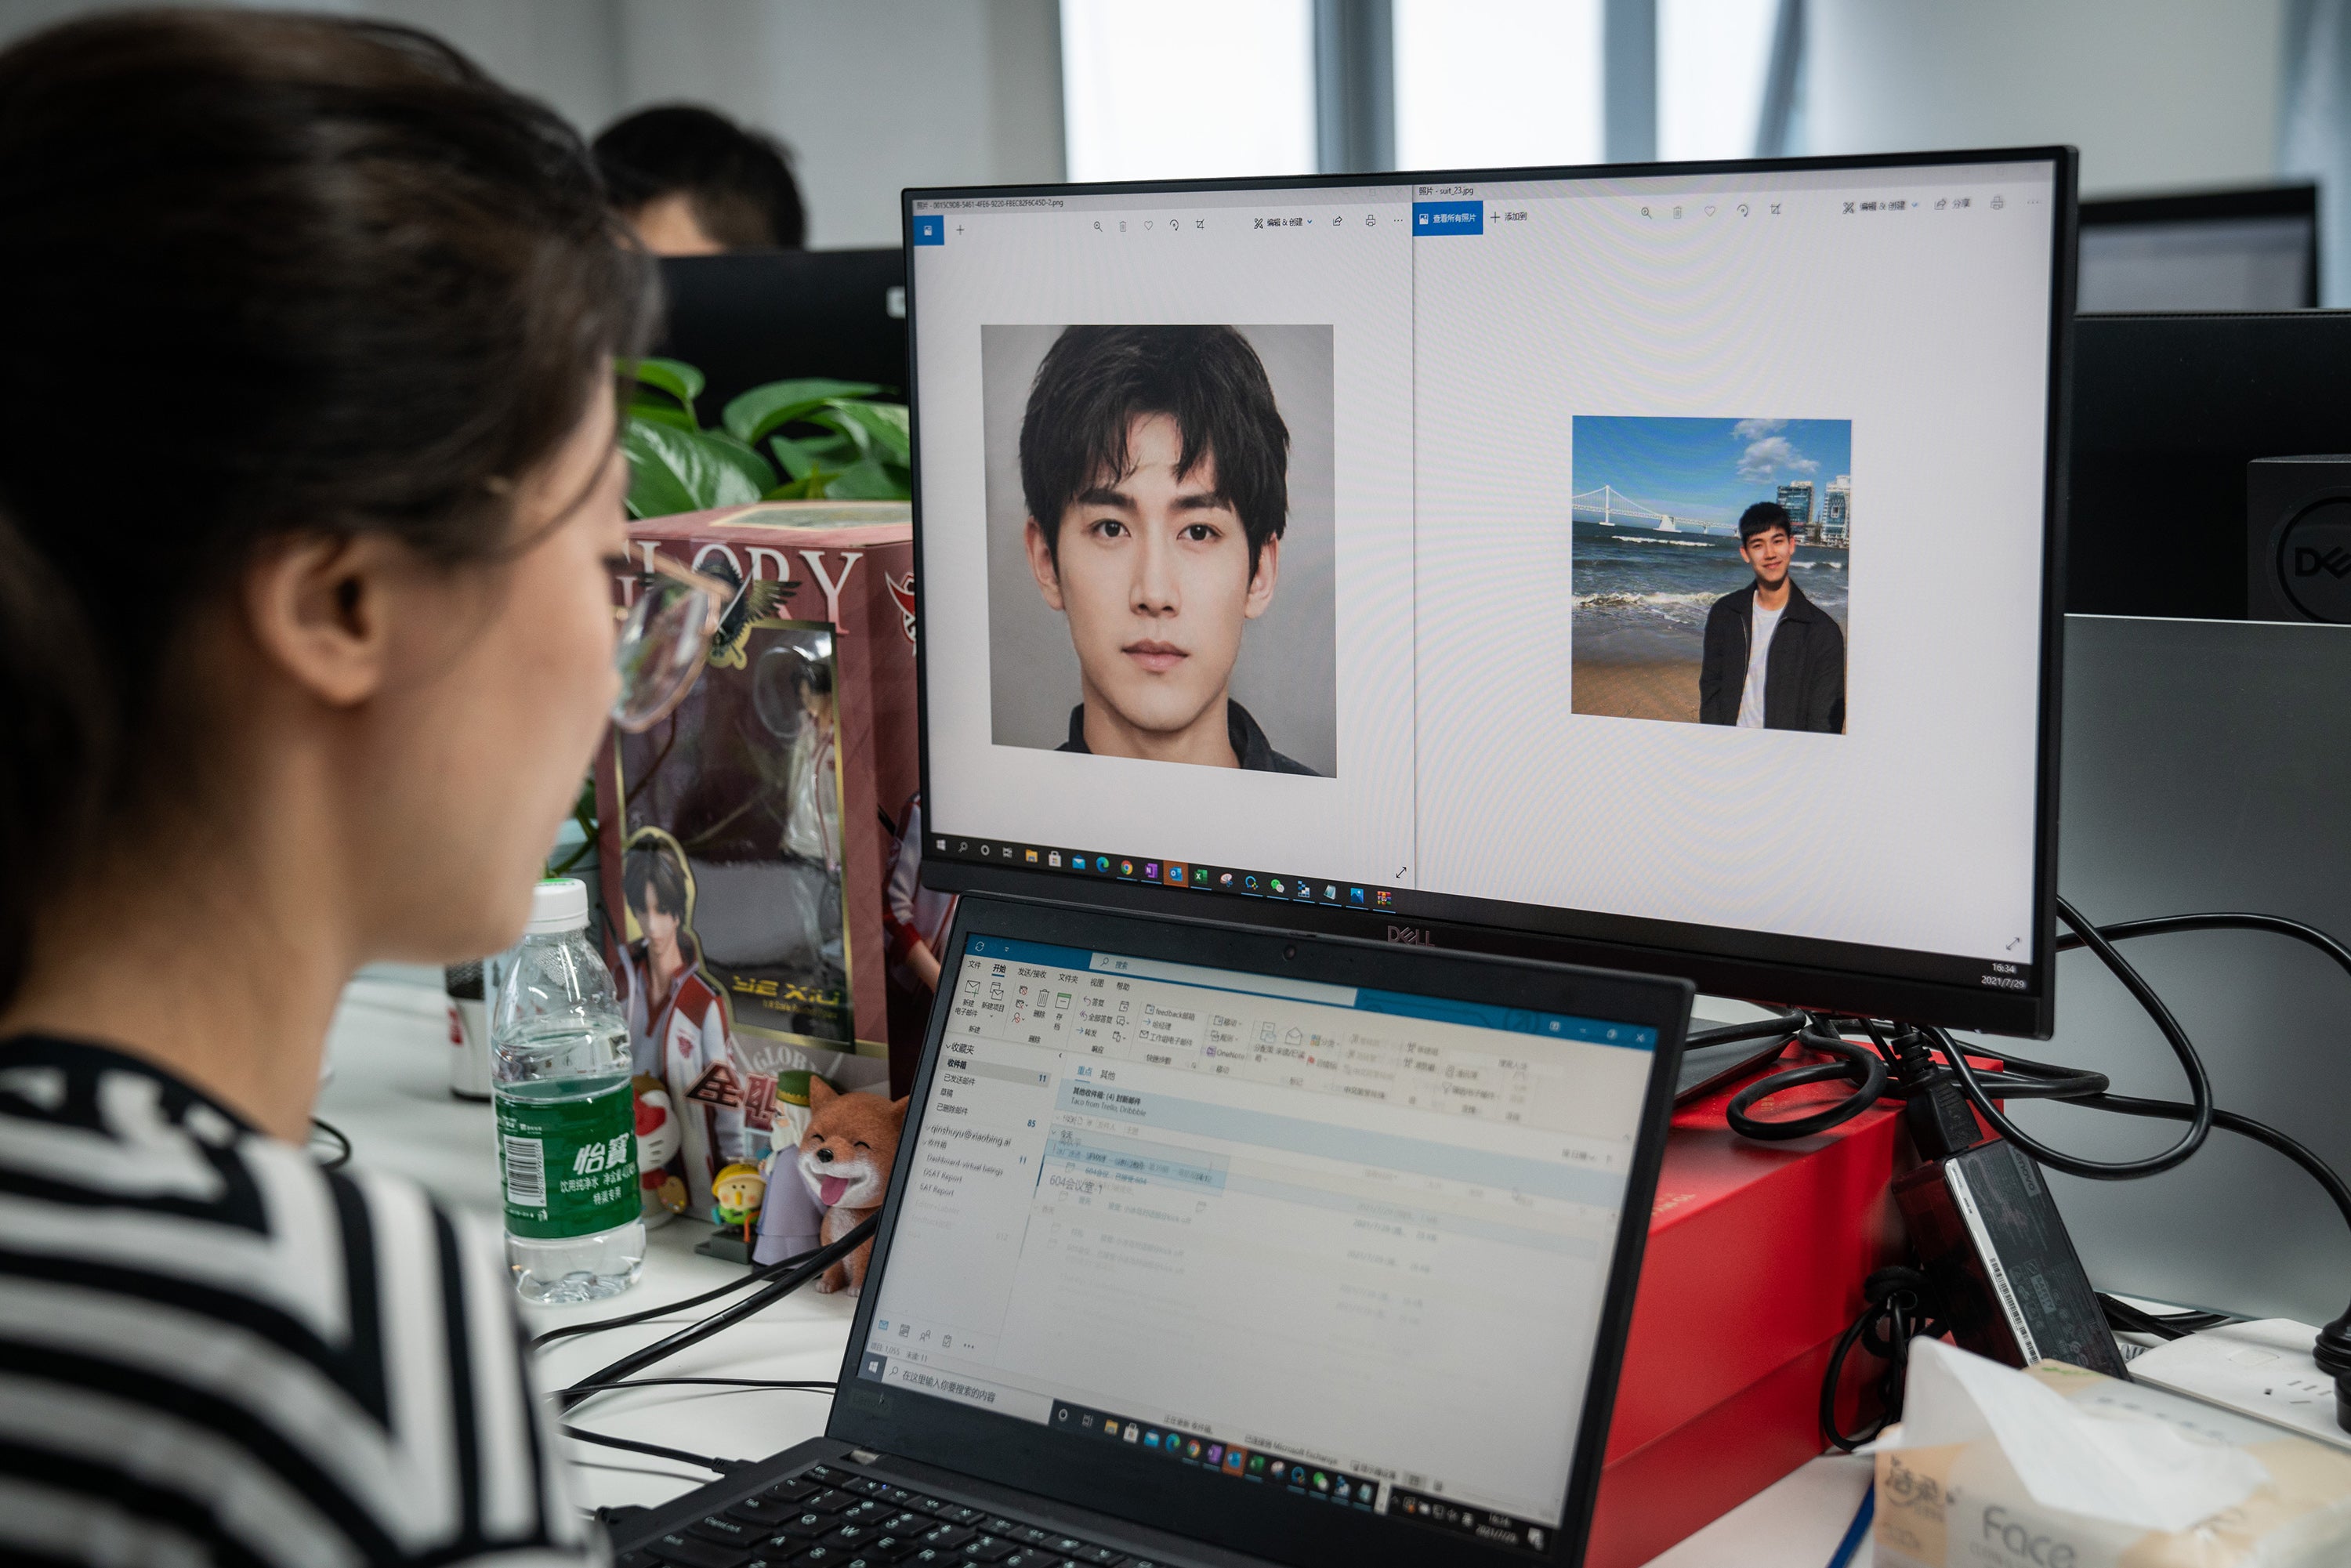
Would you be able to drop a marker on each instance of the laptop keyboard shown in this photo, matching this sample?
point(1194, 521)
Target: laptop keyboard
point(829, 1517)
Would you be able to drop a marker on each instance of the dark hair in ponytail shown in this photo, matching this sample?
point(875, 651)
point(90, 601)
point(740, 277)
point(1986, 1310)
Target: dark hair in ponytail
point(267, 274)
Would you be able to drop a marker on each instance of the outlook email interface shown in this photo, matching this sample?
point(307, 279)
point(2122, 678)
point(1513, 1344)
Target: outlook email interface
point(1667, 547)
point(1296, 1236)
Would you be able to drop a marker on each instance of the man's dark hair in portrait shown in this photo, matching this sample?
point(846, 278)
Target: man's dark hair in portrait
point(1094, 380)
point(1774, 659)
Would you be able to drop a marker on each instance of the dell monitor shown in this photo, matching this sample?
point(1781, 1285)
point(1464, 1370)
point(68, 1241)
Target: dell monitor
point(2253, 249)
point(1650, 567)
point(751, 316)
point(2167, 411)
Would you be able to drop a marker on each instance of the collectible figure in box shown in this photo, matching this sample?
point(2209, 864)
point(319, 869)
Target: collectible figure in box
point(746, 840)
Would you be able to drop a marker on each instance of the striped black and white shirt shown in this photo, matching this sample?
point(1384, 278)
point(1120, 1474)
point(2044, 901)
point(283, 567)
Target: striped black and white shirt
point(212, 1351)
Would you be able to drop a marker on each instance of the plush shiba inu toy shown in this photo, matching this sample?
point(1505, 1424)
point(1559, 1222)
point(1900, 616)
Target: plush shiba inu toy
point(845, 1157)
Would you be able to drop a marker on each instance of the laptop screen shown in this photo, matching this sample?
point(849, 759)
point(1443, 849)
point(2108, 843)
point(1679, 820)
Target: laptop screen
point(1346, 1246)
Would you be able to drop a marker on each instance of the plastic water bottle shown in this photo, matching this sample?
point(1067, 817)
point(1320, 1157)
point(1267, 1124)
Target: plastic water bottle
point(566, 1125)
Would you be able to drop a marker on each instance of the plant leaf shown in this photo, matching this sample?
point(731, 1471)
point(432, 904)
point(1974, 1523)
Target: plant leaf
point(673, 470)
point(858, 437)
point(879, 428)
point(754, 467)
point(675, 377)
point(809, 489)
point(764, 408)
point(795, 458)
point(865, 480)
point(656, 488)
point(834, 448)
point(660, 413)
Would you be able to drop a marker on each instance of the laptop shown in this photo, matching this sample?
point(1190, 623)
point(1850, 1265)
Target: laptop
point(1219, 1245)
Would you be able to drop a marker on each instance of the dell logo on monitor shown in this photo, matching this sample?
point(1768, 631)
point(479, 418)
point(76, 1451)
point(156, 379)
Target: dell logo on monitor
point(2308, 563)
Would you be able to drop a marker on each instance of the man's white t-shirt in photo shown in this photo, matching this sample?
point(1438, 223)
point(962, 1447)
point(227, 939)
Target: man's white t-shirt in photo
point(1759, 651)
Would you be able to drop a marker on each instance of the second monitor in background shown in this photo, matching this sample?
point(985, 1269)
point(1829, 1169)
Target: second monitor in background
point(2253, 249)
point(753, 316)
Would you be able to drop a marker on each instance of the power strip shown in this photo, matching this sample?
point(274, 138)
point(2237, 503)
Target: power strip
point(2263, 1369)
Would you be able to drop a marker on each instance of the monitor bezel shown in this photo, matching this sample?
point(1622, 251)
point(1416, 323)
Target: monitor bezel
point(1022, 1455)
point(1810, 973)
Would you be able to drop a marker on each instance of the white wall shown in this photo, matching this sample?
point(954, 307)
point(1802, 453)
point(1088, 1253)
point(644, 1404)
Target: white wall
point(2158, 94)
point(872, 95)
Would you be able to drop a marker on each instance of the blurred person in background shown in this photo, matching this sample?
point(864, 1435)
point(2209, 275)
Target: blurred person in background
point(691, 182)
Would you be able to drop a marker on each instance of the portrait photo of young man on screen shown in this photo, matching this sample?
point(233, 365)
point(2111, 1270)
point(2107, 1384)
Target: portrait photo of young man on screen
point(1154, 468)
point(1773, 660)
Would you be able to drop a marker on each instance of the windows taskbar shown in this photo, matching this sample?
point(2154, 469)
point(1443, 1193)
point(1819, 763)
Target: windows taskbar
point(1281, 887)
point(1889, 966)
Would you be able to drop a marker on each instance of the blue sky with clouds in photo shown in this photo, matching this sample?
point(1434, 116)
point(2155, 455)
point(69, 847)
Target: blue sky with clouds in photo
point(1706, 471)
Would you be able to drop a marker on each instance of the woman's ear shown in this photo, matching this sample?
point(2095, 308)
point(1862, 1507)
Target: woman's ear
point(319, 607)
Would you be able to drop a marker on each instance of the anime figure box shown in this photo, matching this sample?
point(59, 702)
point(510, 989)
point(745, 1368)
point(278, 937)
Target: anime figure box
point(745, 839)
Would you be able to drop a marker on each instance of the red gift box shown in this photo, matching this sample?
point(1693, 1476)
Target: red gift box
point(1755, 1261)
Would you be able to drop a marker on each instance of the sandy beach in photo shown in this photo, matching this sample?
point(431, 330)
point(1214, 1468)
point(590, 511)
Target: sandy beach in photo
point(1653, 526)
point(1661, 690)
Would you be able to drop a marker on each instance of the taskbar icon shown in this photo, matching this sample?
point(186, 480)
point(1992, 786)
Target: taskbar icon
point(1166, 871)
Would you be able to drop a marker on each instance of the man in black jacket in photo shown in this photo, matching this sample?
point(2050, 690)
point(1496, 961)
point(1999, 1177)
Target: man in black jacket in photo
point(1774, 659)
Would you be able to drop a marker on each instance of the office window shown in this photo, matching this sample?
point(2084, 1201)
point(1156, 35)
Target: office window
point(1173, 89)
point(1712, 57)
point(1497, 81)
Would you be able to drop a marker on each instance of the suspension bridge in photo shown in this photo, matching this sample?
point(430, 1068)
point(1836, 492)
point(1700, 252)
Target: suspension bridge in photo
point(1611, 508)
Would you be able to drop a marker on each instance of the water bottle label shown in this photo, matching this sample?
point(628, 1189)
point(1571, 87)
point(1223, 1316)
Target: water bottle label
point(571, 1166)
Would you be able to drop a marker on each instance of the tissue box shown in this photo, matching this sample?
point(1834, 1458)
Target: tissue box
point(2061, 1467)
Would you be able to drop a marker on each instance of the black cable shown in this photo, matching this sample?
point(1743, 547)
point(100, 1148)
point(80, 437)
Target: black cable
point(2019, 1079)
point(1875, 1075)
point(337, 1161)
point(2166, 925)
point(1901, 1308)
point(1942, 1099)
point(2124, 1318)
point(1864, 1068)
point(774, 1290)
point(767, 1272)
point(1786, 1023)
point(789, 1384)
point(2199, 1084)
point(2244, 1127)
point(719, 1467)
point(1938, 1117)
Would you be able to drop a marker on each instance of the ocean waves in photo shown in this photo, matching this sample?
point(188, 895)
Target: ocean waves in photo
point(1643, 597)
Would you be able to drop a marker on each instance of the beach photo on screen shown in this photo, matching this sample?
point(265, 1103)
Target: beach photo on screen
point(1668, 596)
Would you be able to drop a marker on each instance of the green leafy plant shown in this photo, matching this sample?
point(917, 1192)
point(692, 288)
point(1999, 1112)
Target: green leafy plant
point(787, 441)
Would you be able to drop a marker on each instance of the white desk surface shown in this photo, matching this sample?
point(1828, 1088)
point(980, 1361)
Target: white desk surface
point(389, 1092)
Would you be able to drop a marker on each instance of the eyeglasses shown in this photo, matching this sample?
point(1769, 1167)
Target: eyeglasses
point(665, 640)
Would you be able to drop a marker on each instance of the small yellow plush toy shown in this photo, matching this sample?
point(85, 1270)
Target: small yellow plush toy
point(736, 1193)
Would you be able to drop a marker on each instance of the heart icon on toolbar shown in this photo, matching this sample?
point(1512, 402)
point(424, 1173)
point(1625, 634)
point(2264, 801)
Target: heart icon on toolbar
point(1709, 212)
